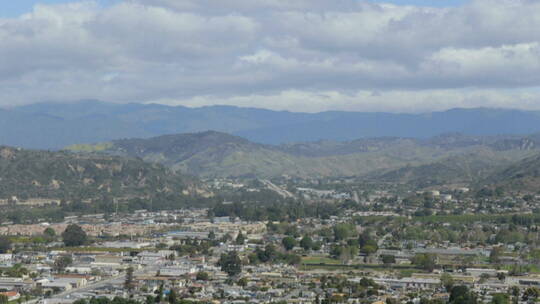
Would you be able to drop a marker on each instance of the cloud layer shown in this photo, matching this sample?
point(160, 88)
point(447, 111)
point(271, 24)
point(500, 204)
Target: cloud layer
point(303, 55)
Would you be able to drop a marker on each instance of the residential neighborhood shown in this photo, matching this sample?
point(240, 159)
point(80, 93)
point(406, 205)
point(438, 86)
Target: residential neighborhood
point(364, 254)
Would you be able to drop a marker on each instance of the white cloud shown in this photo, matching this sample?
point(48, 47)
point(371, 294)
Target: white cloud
point(299, 55)
point(398, 101)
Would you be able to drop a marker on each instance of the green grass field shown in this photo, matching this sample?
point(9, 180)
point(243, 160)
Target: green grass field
point(469, 218)
point(319, 260)
point(99, 249)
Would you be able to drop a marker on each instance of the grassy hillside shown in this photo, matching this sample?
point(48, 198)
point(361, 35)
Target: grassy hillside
point(64, 175)
point(520, 176)
point(215, 154)
point(462, 169)
point(450, 158)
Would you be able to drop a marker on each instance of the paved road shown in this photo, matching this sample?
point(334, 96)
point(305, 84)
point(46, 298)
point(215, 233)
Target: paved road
point(277, 189)
point(119, 279)
point(381, 241)
point(356, 198)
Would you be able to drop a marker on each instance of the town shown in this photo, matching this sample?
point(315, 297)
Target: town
point(326, 246)
point(269, 152)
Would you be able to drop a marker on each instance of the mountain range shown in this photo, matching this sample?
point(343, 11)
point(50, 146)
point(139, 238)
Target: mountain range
point(55, 125)
point(444, 159)
point(137, 168)
point(459, 146)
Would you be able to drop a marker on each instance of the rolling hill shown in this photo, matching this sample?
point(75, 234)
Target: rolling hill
point(523, 175)
point(456, 170)
point(449, 158)
point(28, 174)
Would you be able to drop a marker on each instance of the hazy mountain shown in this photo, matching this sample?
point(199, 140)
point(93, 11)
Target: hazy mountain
point(351, 125)
point(53, 126)
point(459, 158)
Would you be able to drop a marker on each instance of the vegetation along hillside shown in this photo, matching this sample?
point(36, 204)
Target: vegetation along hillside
point(523, 175)
point(449, 158)
point(29, 174)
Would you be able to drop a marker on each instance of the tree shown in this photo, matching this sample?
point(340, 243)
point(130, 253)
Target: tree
point(343, 231)
point(129, 284)
point(161, 246)
point(240, 239)
point(425, 261)
point(514, 291)
point(366, 282)
point(225, 238)
point(293, 259)
point(368, 249)
point(531, 294)
point(288, 242)
point(306, 243)
point(62, 262)
point(500, 298)
point(367, 244)
point(365, 238)
point(202, 276)
point(269, 253)
point(49, 234)
point(316, 246)
point(74, 236)
point(159, 294)
point(462, 295)
point(172, 296)
point(495, 255)
point(212, 235)
point(388, 259)
point(447, 281)
point(243, 282)
point(230, 263)
point(5, 244)
point(344, 253)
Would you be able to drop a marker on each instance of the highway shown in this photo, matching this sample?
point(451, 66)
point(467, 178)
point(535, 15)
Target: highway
point(284, 193)
point(119, 279)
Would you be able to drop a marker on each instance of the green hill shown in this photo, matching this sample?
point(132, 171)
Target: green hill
point(523, 175)
point(452, 157)
point(65, 175)
point(455, 170)
point(215, 154)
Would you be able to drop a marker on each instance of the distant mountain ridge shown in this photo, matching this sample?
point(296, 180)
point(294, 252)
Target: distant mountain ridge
point(54, 126)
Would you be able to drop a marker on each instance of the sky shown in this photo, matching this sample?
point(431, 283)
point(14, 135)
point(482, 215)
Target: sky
point(302, 55)
point(14, 8)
